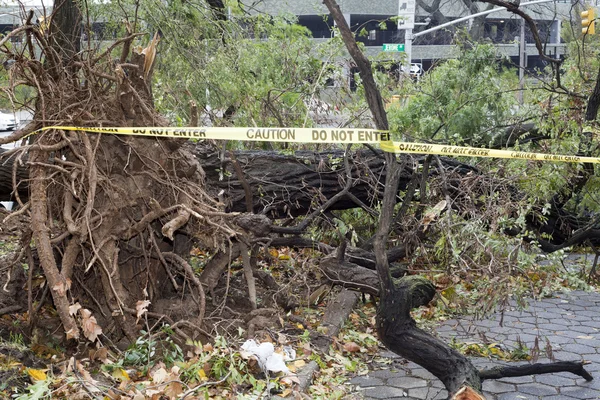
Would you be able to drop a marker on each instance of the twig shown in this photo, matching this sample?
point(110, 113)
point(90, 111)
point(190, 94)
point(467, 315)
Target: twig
point(163, 262)
point(188, 269)
point(186, 394)
point(248, 274)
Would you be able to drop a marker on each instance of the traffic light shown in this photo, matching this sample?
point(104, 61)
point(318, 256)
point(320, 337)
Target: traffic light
point(588, 23)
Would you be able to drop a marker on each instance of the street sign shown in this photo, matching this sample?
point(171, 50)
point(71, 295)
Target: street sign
point(406, 12)
point(393, 47)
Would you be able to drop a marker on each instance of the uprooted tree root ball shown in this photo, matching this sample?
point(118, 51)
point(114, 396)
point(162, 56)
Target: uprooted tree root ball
point(107, 211)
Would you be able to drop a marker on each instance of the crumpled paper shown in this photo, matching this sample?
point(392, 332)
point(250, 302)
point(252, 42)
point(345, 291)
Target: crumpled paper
point(268, 359)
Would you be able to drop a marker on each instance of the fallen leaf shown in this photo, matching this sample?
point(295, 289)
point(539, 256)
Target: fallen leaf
point(202, 375)
point(99, 354)
point(351, 347)
point(90, 326)
point(174, 390)
point(141, 308)
point(73, 308)
point(36, 374)
point(120, 374)
point(72, 333)
point(159, 376)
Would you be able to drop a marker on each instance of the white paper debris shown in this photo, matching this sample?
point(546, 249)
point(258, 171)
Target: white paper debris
point(268, 360)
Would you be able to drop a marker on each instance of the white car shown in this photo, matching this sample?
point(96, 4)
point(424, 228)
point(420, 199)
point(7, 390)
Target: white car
point(8, 121)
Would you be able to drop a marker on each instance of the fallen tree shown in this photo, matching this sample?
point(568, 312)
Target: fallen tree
point(396, 328)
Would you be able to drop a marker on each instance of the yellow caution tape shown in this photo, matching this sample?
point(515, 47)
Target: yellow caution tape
point(325, 135)
point(299, 135)
point(427, 148)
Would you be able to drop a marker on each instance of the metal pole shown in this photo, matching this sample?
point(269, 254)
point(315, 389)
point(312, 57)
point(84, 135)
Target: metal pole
point(522, 61)
point(459, 20)
point(408, 38)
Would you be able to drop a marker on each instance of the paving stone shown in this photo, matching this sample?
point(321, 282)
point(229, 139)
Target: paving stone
point(567, 356)
point(588, 313)
point(553, 379)
point(575, 307)
point(383, 374)
point(443, 395)
point(548, 314)
point(384, 392)
point(516, 396)
point(422, 393)
point(407, 382)
point(518, 379)
point(423, 373)
point(584, 329)
point(493, 386)
point(389, 354)
point(589, 340)
point(578, 348)
point(534, 319)
point(591, 323)
point(581, 393)
point(366, 381)
point(560, 321)
point(559, 338)
point(523, 337)
point(537, 389)
point(569, 333)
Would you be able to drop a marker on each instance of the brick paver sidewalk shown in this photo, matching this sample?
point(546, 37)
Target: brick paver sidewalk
point(570, 322)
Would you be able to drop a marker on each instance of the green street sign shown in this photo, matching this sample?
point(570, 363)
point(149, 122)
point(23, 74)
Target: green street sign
point(393, 47)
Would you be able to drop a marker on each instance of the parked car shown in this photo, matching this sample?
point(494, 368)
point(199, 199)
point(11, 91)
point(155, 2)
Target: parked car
point(8, 121)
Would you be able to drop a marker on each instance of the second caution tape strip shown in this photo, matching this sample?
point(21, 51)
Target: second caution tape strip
point(454, 151)
point(326, 135)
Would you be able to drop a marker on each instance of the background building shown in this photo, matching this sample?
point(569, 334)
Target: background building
point(501, 28)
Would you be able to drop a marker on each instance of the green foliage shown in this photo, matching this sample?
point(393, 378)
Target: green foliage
point(466, 100)
point(259, 68)
point(493, 350)
point(37, 391)
point(147, 351)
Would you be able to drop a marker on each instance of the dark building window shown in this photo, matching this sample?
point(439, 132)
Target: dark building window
point(319, 25)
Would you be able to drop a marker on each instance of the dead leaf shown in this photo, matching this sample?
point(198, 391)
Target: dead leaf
point(159, 376)
point(174, 390)
point(120, 374)
point(73, 308)
point(36, 374)
point(351, 347)
point(202, 375)
point(141, 308)
point(99, 354)
point(289, 380)
point(72, 333)
point(90, 326)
